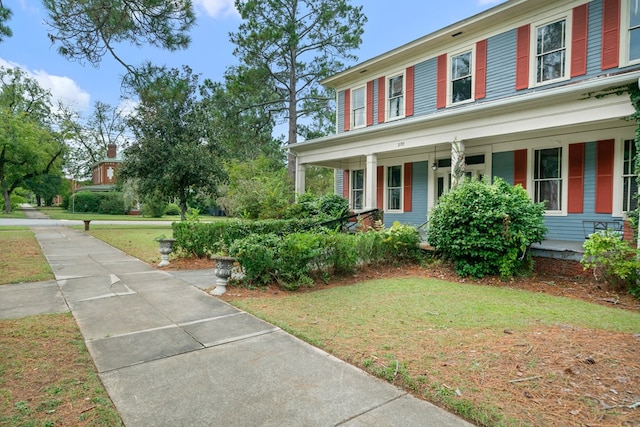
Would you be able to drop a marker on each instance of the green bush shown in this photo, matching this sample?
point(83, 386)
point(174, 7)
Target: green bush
point(613, 260)
point(85, 201)
point(154, 206)
point(486, 228)
point(111, 203)
point(298, 259)
point(325, 207)
point(172, 209)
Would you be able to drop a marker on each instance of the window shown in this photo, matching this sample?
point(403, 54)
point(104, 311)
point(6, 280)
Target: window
point(629, 178)
point(395, 97)
point(551, 51)
point(547, 178)
point(357, 188)
point(461, 81)
point(634, 30)
point(394, 187)
point(357, 107)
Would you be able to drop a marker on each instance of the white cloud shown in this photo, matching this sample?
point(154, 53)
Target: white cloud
point(218, 8)
point(63, 89)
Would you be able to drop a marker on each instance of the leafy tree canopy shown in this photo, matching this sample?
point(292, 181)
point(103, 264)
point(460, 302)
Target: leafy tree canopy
point(29, 145)
point(172, 153)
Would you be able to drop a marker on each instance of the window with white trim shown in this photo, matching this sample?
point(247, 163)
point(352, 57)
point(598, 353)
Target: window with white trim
point(357, 189)
point(547, 178)
point(551, 51)
point(629, 178)
point(395, 96)
point(358, 107)
point(394, 188)
point(630, 32)
point(461, 77)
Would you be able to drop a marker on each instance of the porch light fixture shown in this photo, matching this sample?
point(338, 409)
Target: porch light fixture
point(434, 166)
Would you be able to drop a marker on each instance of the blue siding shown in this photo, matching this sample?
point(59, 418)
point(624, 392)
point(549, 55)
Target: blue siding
point(503, 166)
point(376, 91)
point(501, 65)
point(425, 87)
point(571, 227)
point(339, 182)
point(594, 47)
point(418, 214)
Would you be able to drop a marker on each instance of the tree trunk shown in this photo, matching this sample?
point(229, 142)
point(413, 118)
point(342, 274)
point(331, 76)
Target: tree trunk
point(293, 114)
point(5, 193)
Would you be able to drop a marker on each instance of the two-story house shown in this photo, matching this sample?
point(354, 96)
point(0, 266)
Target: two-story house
point(515, 88)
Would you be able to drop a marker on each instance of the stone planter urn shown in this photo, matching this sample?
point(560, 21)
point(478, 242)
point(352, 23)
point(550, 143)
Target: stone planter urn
point(166, 247)
point(224, 265)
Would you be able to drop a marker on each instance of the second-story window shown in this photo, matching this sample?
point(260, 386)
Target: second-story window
point(461, 81)
point(357, 107)
point(634, 30)
point(396, 96)
point(551, 51)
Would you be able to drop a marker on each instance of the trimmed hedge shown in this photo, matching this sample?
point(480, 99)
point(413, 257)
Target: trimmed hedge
point(105, 203)
point(202, 239)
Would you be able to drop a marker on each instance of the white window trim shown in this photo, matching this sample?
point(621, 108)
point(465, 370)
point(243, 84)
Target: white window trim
point(388, 117)
point(471, 49)
point(351, 109)
point(624, 35)
point(564, 176)
point(386, 189)
point(533, 50)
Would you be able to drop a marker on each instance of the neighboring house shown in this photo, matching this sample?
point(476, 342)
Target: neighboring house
point(104, 171)
point(513, 87)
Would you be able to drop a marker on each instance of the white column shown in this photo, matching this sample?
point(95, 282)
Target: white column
point(371, 184)
point(457, 162)
point(300, 176)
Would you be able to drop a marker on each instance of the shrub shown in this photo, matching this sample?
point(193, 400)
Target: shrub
point(613, 260)
point(486, 228)
point(111, 203)
point(85, 201)
point(172, 209)
point(154, 206)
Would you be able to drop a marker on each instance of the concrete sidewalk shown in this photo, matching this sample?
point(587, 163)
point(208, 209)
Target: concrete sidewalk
point(171, 355)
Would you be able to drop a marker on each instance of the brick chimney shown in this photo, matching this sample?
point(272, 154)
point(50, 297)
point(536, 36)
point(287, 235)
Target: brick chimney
point(111, 151)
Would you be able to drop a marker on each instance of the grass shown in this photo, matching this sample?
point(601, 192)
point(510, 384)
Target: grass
point(24, 262)
point(59, 213)
point(434, 304)
point(136, 240)
point(47, 377)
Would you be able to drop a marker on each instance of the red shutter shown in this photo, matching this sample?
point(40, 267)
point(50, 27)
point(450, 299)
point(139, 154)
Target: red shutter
point(610, 33)
point(347, 110)
point(380, 187)
point(441, 90)
point(579, 40)
point(382, 93)
point(408, 193)
point(520, 168)
point(522, 57)
point(410, 85)
point(345, 184)
point(604, 176)
point(369, 103)
point(481, 70)
point(576, 178)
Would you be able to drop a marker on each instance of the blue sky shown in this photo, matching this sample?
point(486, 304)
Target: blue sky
point(390, 24)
